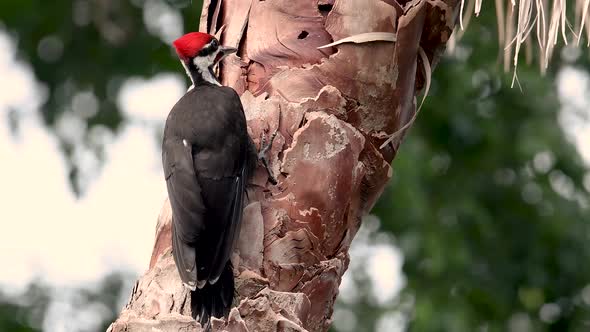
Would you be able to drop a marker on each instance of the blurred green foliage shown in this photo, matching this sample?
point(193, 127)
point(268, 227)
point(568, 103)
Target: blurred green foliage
point(26, 311)
point(473, 207)
point(489, 243)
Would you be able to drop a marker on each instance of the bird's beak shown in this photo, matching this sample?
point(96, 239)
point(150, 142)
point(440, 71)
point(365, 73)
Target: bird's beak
point(223, 52)
point(226, 50)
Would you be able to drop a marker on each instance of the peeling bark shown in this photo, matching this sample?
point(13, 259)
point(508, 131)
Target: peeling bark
point(337, 106)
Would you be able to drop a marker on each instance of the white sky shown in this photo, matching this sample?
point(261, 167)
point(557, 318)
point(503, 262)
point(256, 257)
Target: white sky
point(573, 86)
point(59, 238)
point(48, 234)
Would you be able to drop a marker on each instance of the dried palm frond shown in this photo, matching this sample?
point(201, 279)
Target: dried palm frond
point(516, 20)
point(428, 76)
point(364, 38)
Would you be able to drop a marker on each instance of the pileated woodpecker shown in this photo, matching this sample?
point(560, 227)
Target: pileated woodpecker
point(208, 160)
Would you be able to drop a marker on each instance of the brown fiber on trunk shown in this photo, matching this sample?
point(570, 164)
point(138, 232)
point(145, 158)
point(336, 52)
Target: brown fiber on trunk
point(337, 106)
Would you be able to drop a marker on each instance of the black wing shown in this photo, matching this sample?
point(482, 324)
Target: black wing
point(206, 189)
point(188, 209)
point(224, 200)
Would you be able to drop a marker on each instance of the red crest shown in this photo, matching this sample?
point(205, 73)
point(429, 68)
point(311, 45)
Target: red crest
point(190, 44)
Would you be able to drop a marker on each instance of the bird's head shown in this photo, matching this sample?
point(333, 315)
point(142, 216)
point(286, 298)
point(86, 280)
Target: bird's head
point(201, 50)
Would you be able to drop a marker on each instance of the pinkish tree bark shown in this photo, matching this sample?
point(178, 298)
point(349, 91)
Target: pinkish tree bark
point(337, 106)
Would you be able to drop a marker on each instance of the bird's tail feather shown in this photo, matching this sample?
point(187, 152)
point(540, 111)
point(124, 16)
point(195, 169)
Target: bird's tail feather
point(213, 299)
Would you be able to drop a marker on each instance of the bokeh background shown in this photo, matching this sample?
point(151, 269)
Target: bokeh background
point(485, 225)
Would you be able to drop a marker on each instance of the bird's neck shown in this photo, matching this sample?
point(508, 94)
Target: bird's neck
point(200, 73)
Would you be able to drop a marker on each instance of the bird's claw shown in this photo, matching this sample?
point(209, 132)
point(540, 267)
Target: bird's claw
point(264, 147)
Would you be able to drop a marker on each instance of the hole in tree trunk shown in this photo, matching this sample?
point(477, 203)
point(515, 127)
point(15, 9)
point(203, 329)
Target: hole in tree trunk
point(303, 34)
point(325, 8)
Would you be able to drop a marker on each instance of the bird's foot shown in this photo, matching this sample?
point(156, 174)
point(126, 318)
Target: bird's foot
point(264, 147)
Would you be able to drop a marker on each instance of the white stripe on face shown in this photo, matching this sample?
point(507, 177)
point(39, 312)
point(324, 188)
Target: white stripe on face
point(203, 63)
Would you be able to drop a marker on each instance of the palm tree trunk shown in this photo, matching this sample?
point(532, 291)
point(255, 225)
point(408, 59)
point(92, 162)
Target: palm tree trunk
point(333, 108)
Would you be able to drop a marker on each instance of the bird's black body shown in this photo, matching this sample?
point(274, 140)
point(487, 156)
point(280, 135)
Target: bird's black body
point(208, 159)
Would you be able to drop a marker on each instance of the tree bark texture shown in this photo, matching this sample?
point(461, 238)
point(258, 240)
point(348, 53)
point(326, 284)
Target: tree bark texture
point(333, 108)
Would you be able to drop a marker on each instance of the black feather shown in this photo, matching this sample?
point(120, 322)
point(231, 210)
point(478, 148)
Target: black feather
point(208, 160)
point(213, 299)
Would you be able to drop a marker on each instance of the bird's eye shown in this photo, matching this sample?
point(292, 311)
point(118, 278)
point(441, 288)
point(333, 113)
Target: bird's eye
point(214, 43)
